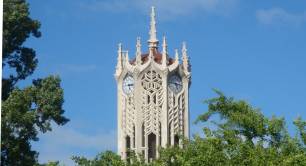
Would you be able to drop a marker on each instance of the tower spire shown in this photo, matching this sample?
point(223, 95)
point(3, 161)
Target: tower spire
point(153, 42)
point(165, 51)
point(176, 56)
point(185, 58)
point(119, 60)
point(138, 51)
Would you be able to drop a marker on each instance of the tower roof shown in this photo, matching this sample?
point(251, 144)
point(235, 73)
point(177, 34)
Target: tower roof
point(157, 56)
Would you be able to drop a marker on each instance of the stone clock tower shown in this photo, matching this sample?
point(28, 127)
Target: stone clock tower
point(153, 95)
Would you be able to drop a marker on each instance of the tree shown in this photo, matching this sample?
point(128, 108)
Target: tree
point(17, 27)
point(107, 158)
point(25, 112)
point(241, 136)
point(235, 133)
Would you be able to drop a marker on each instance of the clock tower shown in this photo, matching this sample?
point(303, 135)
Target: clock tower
point(152, 97)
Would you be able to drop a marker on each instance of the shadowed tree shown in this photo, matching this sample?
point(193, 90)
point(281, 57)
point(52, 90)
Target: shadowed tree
point(18, 59)
point(236, 134)
point(242, 136)
point(107, 158)
point(25, 112)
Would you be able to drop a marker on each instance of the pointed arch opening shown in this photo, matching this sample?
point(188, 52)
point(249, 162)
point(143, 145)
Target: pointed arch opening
point(176, 140)
point(127, 145)
point(151, 146)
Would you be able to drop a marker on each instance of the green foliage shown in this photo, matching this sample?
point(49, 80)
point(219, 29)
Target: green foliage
point(50, 163)
point(24, 114)
point(17, 27)
point(242, 136)
point(107, 158)
point(301, 125)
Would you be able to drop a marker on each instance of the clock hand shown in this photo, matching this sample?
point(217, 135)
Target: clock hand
point(178, 84)
point(175, 85)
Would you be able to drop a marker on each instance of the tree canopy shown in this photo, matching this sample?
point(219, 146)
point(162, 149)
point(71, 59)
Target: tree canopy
point(235, 133)
point(28, 111)
point(17, 27)
point(240, 135)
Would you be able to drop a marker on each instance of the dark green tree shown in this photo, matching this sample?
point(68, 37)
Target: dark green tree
point(19, 59)
point(107, 158)
point(239, 134)
point(25, 112)
point(235, 133)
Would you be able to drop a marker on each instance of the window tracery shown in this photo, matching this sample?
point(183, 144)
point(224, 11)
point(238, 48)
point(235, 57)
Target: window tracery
point(152, 101)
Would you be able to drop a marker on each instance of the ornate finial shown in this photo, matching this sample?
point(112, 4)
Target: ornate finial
point(176, 55)
point(184, 48)
point(164, 44)
point(119, 48)
point(127, 56)
point(185, 57)
point(164, 58)
point(119, 60)
point(138, 51)
point(153, 42)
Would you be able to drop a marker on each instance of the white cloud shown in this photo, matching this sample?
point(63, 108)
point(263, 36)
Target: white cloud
point(165, 8)
point(279, 16)
point(63, 142)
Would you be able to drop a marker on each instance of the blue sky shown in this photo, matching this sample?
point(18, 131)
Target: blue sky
point(252, 50)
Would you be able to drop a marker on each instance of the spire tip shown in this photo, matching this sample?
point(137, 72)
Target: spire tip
point(153, 42)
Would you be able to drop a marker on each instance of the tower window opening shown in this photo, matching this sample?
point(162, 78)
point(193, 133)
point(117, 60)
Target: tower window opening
point(151, 147)
point(134, 136)
point(128, 145)
point(169, 134)
point(128, 142)
point(176, 140)
point(143, 135)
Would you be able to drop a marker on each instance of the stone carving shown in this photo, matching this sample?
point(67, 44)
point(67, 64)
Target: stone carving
point(152, 101)
point(150, 114)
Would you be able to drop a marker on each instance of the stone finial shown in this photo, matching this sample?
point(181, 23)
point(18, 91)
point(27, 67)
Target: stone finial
point(176, 56)
point(127, 60)
point(184, 49)
point(165, 52)
point(138, 51)
point(153, 42)
point(119, 59)
point(120, 48)
point(185, 57)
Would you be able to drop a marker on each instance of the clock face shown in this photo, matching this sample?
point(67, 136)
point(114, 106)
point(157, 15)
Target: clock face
point(128, 84)
point(175, 83)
